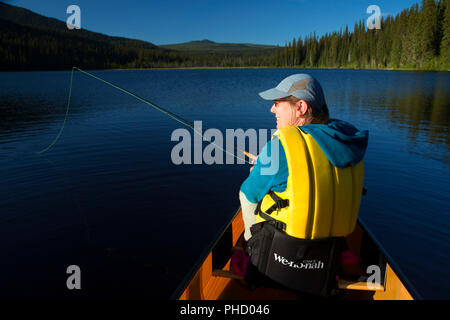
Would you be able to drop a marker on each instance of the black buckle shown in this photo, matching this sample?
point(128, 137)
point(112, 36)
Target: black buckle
point(282, 204)
point(280, 225)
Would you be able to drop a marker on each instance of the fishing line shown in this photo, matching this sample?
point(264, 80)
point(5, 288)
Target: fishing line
point(166, 112)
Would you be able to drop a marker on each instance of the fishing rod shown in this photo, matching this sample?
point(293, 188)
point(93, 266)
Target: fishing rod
point(163, 110)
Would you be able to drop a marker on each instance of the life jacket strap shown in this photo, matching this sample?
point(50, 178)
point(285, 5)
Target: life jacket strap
point(279, 204)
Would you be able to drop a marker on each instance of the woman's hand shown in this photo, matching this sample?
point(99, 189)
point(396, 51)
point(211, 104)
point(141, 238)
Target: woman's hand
point(253, 159)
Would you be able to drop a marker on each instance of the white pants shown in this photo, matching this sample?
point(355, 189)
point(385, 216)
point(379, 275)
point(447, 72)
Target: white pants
point(248, 214)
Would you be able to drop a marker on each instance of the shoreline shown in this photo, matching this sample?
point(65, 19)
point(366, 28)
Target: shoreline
point(249, 67)
point(304, 68)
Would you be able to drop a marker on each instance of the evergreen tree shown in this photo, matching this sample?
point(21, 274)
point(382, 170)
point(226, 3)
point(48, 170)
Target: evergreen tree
point(294, 52)
point(445, 41)
point(429, 35)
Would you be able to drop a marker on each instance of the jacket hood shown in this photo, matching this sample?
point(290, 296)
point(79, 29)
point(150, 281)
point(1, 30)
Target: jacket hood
point(342, 143)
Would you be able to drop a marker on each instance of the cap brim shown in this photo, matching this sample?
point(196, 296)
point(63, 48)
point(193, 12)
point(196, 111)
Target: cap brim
point(273, 94)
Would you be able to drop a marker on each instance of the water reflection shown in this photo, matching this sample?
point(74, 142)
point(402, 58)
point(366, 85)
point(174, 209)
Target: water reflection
point(16, 111)
point(23, 116)
point(424, 113)
point(417, 103)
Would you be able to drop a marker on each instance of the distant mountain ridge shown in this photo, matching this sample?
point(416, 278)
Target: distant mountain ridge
point(30, 41)
point(208, 46)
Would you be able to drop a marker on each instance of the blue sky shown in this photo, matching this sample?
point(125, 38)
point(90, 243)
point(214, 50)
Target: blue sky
point(239, 21)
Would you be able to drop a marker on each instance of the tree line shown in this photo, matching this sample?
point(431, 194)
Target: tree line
point(30, 48)
point(416, 38)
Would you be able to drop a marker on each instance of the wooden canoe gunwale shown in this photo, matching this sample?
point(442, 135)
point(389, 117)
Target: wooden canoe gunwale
point(391, 262)
point(198, 264)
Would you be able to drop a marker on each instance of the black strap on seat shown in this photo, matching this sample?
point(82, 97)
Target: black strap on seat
point(279, 204)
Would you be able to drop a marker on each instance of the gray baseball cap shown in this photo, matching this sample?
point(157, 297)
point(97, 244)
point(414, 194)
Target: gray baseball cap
point(300, 85)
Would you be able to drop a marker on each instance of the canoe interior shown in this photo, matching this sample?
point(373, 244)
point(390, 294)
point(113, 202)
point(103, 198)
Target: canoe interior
point(211, 278)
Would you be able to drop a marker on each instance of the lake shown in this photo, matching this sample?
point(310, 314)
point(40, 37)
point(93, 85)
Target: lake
point(108, 198)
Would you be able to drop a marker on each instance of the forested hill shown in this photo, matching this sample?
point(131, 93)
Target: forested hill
point(29, 41)
point(417, 38)
point(232, 49)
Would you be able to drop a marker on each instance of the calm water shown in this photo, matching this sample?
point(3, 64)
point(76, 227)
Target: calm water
point(107, 197)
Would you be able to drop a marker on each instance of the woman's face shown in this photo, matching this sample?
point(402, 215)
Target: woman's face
point(284, 112)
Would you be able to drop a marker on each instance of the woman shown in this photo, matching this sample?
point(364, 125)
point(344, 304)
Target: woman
point(298, 100)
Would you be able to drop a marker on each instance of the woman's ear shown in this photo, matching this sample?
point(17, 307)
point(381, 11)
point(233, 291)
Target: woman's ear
point(301, 108)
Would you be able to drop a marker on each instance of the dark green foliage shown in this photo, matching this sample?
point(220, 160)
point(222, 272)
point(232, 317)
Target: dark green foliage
point(417, 38)
point(444, 50)
point(207, 47)
point(29, 41)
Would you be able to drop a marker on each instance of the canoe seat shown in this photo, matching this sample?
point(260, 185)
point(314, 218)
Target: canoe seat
point(358, 284)
point(226, 274)
point(343, 284)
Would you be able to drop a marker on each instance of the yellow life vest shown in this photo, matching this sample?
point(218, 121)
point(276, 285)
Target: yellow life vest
point(320, 200)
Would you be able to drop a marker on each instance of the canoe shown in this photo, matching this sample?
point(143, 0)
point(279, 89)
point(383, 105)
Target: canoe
point(212, 279)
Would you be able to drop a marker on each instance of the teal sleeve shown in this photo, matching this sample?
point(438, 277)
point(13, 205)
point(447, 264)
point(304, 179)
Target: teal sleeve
point(269, 173)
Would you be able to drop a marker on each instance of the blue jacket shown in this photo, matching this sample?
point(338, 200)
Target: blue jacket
point(342, 143)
